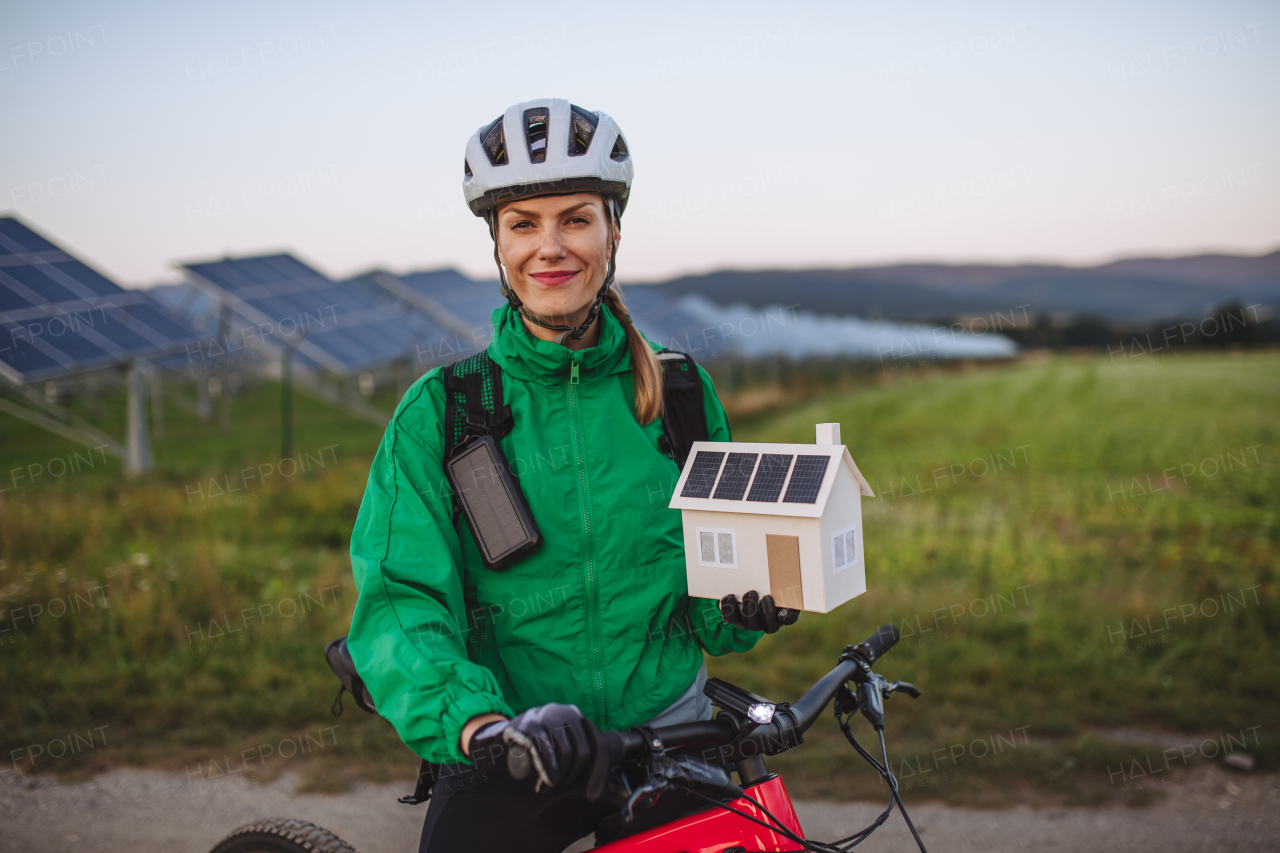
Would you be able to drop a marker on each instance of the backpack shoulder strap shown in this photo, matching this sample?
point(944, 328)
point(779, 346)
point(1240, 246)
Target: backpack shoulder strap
point(684, 418)
point(473, 401)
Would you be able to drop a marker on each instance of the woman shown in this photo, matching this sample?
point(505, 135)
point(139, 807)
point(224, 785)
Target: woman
point(595, 630)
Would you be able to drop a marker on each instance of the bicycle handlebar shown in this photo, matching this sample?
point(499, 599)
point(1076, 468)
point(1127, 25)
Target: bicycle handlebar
point(789, 722)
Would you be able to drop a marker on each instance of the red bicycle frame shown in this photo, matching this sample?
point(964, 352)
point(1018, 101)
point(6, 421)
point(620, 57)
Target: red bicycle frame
point(717, 830)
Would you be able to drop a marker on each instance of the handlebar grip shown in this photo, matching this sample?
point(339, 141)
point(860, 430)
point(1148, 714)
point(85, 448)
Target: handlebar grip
point(616, 744)
point(881, 641)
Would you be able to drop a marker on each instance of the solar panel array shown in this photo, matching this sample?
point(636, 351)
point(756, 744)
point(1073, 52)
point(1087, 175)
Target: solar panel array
point(343, 327)
point(730, 473)
point(58, 316)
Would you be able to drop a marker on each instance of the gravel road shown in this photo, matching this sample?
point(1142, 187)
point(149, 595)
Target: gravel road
point(137, 811)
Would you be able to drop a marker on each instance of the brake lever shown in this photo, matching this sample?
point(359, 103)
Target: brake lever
point(654, 787)
point(871, 695)
point(684, 772)
point(873, 691)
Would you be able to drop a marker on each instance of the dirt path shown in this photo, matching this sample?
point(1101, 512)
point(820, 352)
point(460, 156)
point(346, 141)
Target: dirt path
point(138, 811)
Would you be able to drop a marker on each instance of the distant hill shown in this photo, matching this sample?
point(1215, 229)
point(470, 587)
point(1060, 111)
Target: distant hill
point(1140, 289)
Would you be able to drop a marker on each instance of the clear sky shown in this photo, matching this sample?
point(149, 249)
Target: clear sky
point(790, 134)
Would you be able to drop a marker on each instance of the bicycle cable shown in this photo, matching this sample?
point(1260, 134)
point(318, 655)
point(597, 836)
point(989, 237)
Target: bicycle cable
point(884, 771)
point(835, 847)
point(857, 838)
point(779, 827)
point(884, 750)
point(817, 846)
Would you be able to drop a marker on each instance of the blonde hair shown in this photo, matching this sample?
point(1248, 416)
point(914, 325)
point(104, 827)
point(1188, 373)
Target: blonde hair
point(646, 372)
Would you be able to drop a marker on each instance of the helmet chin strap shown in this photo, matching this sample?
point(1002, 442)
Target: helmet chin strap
point(565, 332)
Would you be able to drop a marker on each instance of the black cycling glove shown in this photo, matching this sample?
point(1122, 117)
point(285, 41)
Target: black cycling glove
point(553, 742)
point(755, 613)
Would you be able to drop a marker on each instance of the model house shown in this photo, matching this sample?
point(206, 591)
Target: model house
point(782, 519)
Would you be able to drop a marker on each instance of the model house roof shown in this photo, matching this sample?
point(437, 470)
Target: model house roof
point(764, 479)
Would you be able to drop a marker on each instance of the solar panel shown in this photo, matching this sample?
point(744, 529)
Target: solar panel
point(345, 327)
point(702, 476)
point(18, 355)
point(492, 509)
point(11, 300)
point(770, 477)
point(472, 302)
point(162, 323)
point(78, 348)
point(97, 283)
point(806, 480)
point(737, 473)
point(32, 279)
point(58, 316)
point(122, 337)
point(24, 240)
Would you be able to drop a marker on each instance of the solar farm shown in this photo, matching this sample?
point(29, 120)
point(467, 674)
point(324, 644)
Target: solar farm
point(69, 331)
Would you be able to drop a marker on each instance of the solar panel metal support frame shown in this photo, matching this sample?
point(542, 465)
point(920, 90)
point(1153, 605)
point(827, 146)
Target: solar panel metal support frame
point(303, 379)
point(138, 459)
point(80, 433)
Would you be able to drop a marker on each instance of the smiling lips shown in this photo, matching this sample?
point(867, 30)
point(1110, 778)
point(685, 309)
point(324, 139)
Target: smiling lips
point(554, 277)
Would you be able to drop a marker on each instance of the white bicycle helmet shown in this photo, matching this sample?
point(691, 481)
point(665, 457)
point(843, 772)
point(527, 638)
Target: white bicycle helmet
point(547, 147)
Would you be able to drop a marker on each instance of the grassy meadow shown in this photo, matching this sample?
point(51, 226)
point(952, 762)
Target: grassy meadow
point(1081, 556)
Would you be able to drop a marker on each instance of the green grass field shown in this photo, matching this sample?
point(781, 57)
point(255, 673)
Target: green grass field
point(1076, 554)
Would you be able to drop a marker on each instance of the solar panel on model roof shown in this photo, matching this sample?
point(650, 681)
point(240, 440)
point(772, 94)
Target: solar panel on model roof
point(806, 479)
point(702, 476)
point(770, 477)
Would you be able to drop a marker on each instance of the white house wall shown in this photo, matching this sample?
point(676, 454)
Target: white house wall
point(844, 507)
point(752, 558)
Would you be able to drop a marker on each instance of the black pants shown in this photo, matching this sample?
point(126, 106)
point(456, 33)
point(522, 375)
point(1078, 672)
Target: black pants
point(470, 811)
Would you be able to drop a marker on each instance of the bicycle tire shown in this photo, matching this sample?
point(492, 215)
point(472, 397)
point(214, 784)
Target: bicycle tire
point(282, 835)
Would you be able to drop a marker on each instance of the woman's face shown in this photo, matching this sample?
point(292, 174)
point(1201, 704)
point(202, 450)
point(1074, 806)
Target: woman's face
point(556, 251)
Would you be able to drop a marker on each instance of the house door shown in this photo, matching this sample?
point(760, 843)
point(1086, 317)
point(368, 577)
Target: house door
point(784, 570)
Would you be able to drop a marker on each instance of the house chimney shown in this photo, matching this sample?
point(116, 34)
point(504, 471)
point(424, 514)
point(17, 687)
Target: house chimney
point(828, 433)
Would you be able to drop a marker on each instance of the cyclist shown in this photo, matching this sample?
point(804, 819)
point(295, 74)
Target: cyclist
point(595, 630)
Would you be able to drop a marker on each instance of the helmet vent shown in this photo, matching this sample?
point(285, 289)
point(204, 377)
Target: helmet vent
point(466, 168)
point(535, 133)
point(494, 141)
point(583, 124)
point(619, 151)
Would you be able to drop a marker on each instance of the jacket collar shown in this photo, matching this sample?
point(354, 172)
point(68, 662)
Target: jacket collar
point(522, 355)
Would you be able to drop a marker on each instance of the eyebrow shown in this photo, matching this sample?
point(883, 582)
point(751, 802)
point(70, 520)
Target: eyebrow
point(521, 212)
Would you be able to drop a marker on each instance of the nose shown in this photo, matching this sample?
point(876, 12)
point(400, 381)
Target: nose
point(552, 247)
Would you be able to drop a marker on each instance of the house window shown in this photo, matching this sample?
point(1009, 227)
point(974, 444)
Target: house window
point(844, 548)
point(716, 547)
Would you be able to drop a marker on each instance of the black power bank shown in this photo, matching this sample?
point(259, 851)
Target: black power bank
point(492, 502)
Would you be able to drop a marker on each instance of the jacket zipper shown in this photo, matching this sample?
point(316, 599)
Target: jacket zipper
point(593, 616)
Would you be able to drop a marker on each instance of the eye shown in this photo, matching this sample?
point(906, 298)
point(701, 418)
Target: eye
point(521, 225)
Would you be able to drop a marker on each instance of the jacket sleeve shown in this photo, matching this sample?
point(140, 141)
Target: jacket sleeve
point(408, 632)
point(717, 636)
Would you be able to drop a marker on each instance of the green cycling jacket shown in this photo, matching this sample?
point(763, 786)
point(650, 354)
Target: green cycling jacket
point(598, 617)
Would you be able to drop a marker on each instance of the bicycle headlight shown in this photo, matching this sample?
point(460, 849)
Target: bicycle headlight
point(761, 713)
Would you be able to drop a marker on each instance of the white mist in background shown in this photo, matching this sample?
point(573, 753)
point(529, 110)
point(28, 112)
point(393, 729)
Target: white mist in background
point(756, 333)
